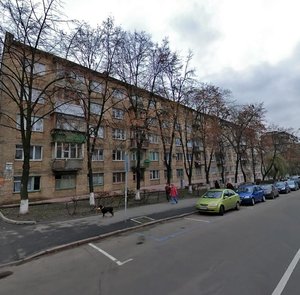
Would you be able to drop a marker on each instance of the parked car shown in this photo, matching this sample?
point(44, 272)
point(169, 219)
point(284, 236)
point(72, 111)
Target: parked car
point(251, 194)
point(283, 187)
point(218, 201)
point(293, 185)
point(270, 190)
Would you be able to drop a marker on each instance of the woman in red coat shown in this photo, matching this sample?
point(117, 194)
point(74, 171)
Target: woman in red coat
point(173, 194)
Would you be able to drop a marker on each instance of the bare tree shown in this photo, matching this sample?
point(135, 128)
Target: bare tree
point(208, 101)
point(23, 70)
point(94, 49)
point(276, 143)
point(174, 84)
point(240, 119)
point(140, 62)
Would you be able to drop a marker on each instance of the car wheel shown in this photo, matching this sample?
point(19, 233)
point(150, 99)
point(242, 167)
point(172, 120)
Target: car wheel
point(263, 199)
point(221, 210)
point(237, 206)
point(252, 202)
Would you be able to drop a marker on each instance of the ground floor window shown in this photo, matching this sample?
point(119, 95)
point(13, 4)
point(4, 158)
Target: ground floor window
point(33, 184)
point(98, 179)
point(118, 177)
point(179, 173)
point(154, 174)
point(65, 181)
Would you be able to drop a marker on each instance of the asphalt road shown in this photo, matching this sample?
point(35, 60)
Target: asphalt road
point(252, 251)
point(20, 242)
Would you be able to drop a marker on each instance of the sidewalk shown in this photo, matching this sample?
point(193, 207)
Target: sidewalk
point(20, 243)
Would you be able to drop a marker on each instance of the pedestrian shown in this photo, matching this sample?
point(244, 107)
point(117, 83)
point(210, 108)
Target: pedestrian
point(217, 184)
point(229, 186)
point(174, 194)
point(167, 189)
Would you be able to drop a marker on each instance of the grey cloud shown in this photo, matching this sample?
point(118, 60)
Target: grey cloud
point(277, 86)
point(193, 27)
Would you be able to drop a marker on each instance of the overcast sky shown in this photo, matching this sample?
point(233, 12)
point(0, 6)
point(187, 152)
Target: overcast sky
point(251, 47)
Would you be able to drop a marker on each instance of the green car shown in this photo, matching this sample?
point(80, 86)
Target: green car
point(218, 201)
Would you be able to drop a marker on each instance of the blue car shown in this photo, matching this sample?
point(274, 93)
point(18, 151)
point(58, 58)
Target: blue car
point(251, 194)
point(283, 187)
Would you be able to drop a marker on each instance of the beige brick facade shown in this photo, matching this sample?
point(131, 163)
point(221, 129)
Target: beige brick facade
point(59, 162)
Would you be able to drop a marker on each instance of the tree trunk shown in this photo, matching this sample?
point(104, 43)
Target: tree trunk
point(24, 204)
point(90, 173)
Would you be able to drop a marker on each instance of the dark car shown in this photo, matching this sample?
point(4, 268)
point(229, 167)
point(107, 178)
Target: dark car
point(283, 187)
point(270, 190)
point(251, 194)
point(293, 185)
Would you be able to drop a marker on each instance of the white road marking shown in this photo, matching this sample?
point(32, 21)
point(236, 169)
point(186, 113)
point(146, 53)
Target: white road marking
point(281, 285)
point(142, 217)
point(195, 219)
point(110, 256)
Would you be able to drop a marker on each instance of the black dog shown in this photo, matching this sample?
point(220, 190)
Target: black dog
point(104, 210)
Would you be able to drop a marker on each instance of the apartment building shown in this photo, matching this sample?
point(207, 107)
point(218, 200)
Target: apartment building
point(60, 130)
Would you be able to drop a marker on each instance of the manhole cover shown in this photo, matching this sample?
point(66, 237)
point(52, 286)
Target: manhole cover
point(142, 219)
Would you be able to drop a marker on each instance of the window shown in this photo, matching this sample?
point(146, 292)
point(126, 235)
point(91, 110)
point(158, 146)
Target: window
point(118, 94)
point(95, 108)
point(118, 177)
point(100, 132)
point(65, 181)
point(118, 155)
point(98, 155)
point(65, 150)
point(119, 134)
point(177, 142)
point(189, 157)
point(154, 174)
point(153, 156)
point(98, 179)
point(179, 173)
point(35, 152)
point(36, 95)
point(133, 156)
point(153, 138)
point(152, 104)
point(38, 68)
point(37, 123)
point(152, 122)
point(137, 101)
point(33, 184)
point(96, 86)
point(189, 143)
point(118, 114)
point(165, 124)
point(179, 156)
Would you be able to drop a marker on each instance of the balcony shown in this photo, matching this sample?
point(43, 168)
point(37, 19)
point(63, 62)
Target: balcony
point(67, 165)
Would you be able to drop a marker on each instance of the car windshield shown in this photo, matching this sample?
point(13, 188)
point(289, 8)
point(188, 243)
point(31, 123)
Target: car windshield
point(280, 184)
point(266, 186)
point(291, 182)
point(245, 189)
point(213, 194)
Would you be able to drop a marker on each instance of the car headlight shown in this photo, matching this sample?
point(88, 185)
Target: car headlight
point(215, 204)
point(247, 197)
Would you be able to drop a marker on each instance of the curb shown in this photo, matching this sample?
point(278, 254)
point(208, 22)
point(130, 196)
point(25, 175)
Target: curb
point(92, 239)
point(5, 219)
